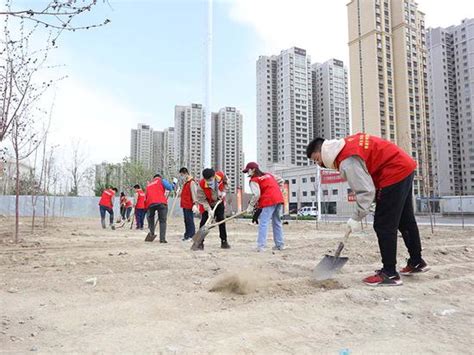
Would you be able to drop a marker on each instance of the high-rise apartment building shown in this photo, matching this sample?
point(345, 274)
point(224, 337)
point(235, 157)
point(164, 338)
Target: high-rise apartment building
point(330, 100)
point(451, 88)
point(158, 153)
point(227, 150)
point(189, 140)
point(389, 88)
point(170, 163)
point(284, 107)
point(141, 147)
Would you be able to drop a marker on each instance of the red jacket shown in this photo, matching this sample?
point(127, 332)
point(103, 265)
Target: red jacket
point(270, 193)
point(155, 193)
point(140, 204)
point(208, 192)
point(186, 195)
point(106, 198)
point(386, 162)
point(125, 202)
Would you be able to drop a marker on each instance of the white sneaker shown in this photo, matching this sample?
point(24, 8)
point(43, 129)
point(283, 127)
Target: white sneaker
point(260, 250)
point(281, 247)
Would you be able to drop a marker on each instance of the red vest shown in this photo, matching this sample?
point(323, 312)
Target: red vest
point(386, 162)
point(270, 193)
point(155, 193)
point(186, 195)
point(106, 198)
point(128, 203)
point(140, 204)
point(208, 192)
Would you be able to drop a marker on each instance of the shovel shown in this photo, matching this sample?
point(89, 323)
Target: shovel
point(197, 238)
point(331, 264)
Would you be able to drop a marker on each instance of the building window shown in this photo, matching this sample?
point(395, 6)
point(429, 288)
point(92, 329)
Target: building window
point(293, 194)
point(293, 181)
point(335, 192)
point(304, 180)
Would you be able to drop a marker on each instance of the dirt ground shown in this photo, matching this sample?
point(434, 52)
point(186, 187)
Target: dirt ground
point(77, 288)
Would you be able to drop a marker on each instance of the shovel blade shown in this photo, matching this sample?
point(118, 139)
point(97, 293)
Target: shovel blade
point(199, 237)
point(328, 266)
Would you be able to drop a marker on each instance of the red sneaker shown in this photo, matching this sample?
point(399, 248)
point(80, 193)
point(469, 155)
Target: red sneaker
point(415, 269)
point(382, 279)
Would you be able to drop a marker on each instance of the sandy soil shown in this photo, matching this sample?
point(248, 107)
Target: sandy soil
point(77, 288)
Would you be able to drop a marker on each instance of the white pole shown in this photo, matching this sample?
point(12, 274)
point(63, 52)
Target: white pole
point(207, 120)
point(318, 181)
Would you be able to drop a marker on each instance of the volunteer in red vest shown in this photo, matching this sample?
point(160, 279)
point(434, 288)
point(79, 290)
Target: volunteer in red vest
point(126, 207)
point(106, 204)
point(267, 194)
point(139, 206)
point(188, 202)
point(211, 188)
point(376, 168)
point(156, 201)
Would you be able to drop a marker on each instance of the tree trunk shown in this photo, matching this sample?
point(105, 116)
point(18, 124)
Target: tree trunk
point(17, 195)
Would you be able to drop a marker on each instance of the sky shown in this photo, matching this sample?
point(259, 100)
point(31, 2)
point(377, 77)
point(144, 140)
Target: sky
point(152, 56)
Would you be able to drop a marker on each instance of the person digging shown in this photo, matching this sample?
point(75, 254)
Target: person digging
point(376, 168)
point(106, 205)
point(211, 188)
point(156, 202)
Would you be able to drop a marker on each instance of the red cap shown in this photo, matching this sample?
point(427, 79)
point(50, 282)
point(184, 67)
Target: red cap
point(251, 165)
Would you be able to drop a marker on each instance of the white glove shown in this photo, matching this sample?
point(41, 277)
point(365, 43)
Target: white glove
point(222, 194)
point(353, 225)
point(195, 209)
point(250, 209)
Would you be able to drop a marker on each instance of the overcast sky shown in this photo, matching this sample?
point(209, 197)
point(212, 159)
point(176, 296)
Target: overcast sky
point(152, 57)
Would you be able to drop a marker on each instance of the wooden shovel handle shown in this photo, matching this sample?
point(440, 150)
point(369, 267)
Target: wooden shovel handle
point(341, 244)
point(209, 220)
point(227, 219)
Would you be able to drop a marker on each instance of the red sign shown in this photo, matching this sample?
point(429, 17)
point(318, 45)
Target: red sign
point(330, 177)
point(351, 197)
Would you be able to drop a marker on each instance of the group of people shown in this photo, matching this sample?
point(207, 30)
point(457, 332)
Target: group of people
point(375, 169)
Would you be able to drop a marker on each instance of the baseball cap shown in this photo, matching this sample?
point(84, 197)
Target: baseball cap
point(251, 165)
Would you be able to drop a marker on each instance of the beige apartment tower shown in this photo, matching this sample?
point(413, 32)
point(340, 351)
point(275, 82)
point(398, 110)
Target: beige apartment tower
point(227, 150)
point(388, 69)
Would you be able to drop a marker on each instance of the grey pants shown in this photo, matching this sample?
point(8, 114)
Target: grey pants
point(162, 210)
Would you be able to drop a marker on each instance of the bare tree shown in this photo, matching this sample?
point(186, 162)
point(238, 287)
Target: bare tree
point(25, 141)
point(56, 14)
point(20, 87)
point(77, 170)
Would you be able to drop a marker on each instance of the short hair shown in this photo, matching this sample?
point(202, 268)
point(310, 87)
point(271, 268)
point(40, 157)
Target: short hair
point(208, 173)
point(115, 189)
point(136, 186)
point(183, 171)
point(122, 193)
point(314, 146)
point(156, 175)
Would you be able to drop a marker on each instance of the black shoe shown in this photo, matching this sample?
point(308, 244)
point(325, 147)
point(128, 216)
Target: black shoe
point(150, 237)
point(412, 268)
point(164, 241)
point(225, 245)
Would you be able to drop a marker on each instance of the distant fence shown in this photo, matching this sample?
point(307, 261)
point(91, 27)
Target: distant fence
point(60, 206)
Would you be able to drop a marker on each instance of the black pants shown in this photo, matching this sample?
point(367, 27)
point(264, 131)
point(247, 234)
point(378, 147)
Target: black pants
point(125, 212)
point(256, 214)
point(162, 210)
point(219, 215)
point(394, 210)
point(103, 210)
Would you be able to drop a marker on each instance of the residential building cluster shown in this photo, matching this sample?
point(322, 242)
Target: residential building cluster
point(183, 145)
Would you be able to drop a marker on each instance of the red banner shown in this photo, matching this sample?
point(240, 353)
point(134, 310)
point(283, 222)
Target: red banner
point(331, 177)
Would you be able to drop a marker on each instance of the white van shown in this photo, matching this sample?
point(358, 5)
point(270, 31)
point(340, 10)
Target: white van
point(308, 211)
